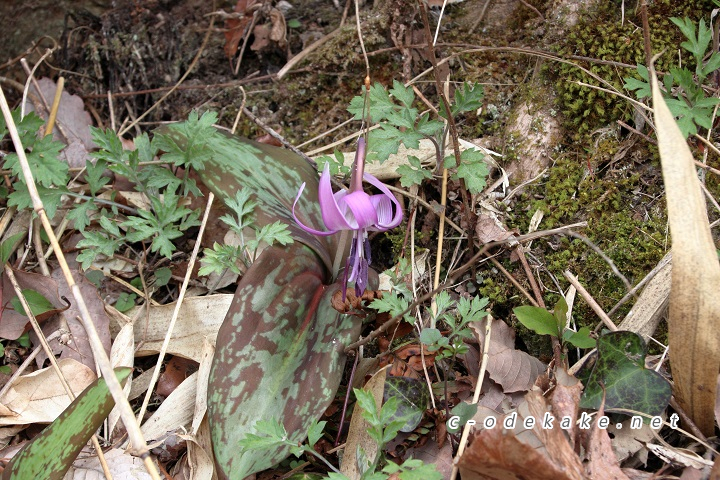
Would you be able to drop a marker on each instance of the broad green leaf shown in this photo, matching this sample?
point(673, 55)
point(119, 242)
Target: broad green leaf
point(8, 246)
point(279, 354)
point(38, 304)
point(620, 371)
point(412, 396)
point(560, 312)
point(537, 319)
point(465, 411)
point(50, 454)
point(580, 339)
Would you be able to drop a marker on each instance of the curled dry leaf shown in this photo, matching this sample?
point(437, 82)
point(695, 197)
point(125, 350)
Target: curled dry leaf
point(566, 398)
point(175, 411)
point(199, 318)
point(176, 371)
point(602, 460)
point(512, 369)
point(39, 397)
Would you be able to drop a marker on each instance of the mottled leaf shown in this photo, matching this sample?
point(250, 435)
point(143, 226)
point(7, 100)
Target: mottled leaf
point(52, 453)
point(412, 395)
point(279, 355)
point(620, 370)
point(274, 176)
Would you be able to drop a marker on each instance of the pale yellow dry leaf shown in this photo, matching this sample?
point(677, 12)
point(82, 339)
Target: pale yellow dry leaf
point(199, 318)
point(200, 456)
point(122, 466)
point(694, 303)
point(208, 352)
point(358, 433)
point(39, 397)
point(122, 354)
point(175, 411)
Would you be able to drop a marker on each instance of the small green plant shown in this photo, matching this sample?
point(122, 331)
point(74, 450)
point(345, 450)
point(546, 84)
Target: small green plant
point(222, 257)
point(398, 299)
point(684, 90)
point(401, 123)
point(542, 322)
point(456, 315)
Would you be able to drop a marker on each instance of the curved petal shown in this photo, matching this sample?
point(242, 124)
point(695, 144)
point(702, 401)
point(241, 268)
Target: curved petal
point(386, 220)
point(362, 209)
point(308, 229)
point(332, 215)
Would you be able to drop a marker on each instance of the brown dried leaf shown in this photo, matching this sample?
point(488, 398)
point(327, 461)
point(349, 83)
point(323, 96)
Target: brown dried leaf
point(694, 302)
point(602, 460)
point(235, 27)
point(566, 399)
point(71, 115)
point(262, 38)
point(14, 323)
point(489, 229)
point(78, 347)
point(497, 455)
point(176, 371)
point(514, 370)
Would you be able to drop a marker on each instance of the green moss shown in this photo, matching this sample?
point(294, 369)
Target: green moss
point(602, 35)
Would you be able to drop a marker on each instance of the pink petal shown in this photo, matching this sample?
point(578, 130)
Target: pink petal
point(386, 220)
point(307, 229)
point(362, 209)
point(333, 216)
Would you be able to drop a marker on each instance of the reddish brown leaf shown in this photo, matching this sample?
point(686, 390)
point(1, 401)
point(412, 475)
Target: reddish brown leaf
point(602, 460)
point(566, 399)
point(176, 371)
point(235, 27)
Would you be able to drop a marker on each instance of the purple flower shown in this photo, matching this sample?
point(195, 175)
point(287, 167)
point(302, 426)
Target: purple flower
point(355, 210)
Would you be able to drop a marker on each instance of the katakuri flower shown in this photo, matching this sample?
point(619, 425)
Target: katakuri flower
point(358, 211)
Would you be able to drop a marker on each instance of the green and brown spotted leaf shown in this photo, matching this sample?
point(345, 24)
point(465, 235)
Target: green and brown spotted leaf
point(620, 368)
point(274, 176)
point(52, 452)
point(280, 355)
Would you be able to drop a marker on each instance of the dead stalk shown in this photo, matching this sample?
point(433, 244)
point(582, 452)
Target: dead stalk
point(176, 311)
point(95, 343)
point(476, 396)
point(590, 300)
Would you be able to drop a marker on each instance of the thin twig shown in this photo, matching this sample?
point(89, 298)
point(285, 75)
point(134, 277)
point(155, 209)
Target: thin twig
point(96, 345)
point(476, 396)
point(176, 311)
point(590, 300)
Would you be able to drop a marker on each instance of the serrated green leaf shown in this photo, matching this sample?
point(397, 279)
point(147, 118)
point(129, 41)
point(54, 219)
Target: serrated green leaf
point(413, 174)
point(473, 170)
point(81, 214)
point(315, 432)
point(537, 319)
point(404, 94)
point(620, 373)
point(51, 454)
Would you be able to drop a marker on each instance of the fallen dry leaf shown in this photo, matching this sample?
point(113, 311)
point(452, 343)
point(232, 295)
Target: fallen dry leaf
point(358, 432)
point(694, 304)
point(174, 412)
point(512, 369)
point(78, 347)
point(199, 318)
point(122, 354)
point(489, 229)
point(602, 460)
point(71, 116)
point(235, 27)
point(566, 398)
point(121, 465)
point(39, 397)
point(15, 323)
